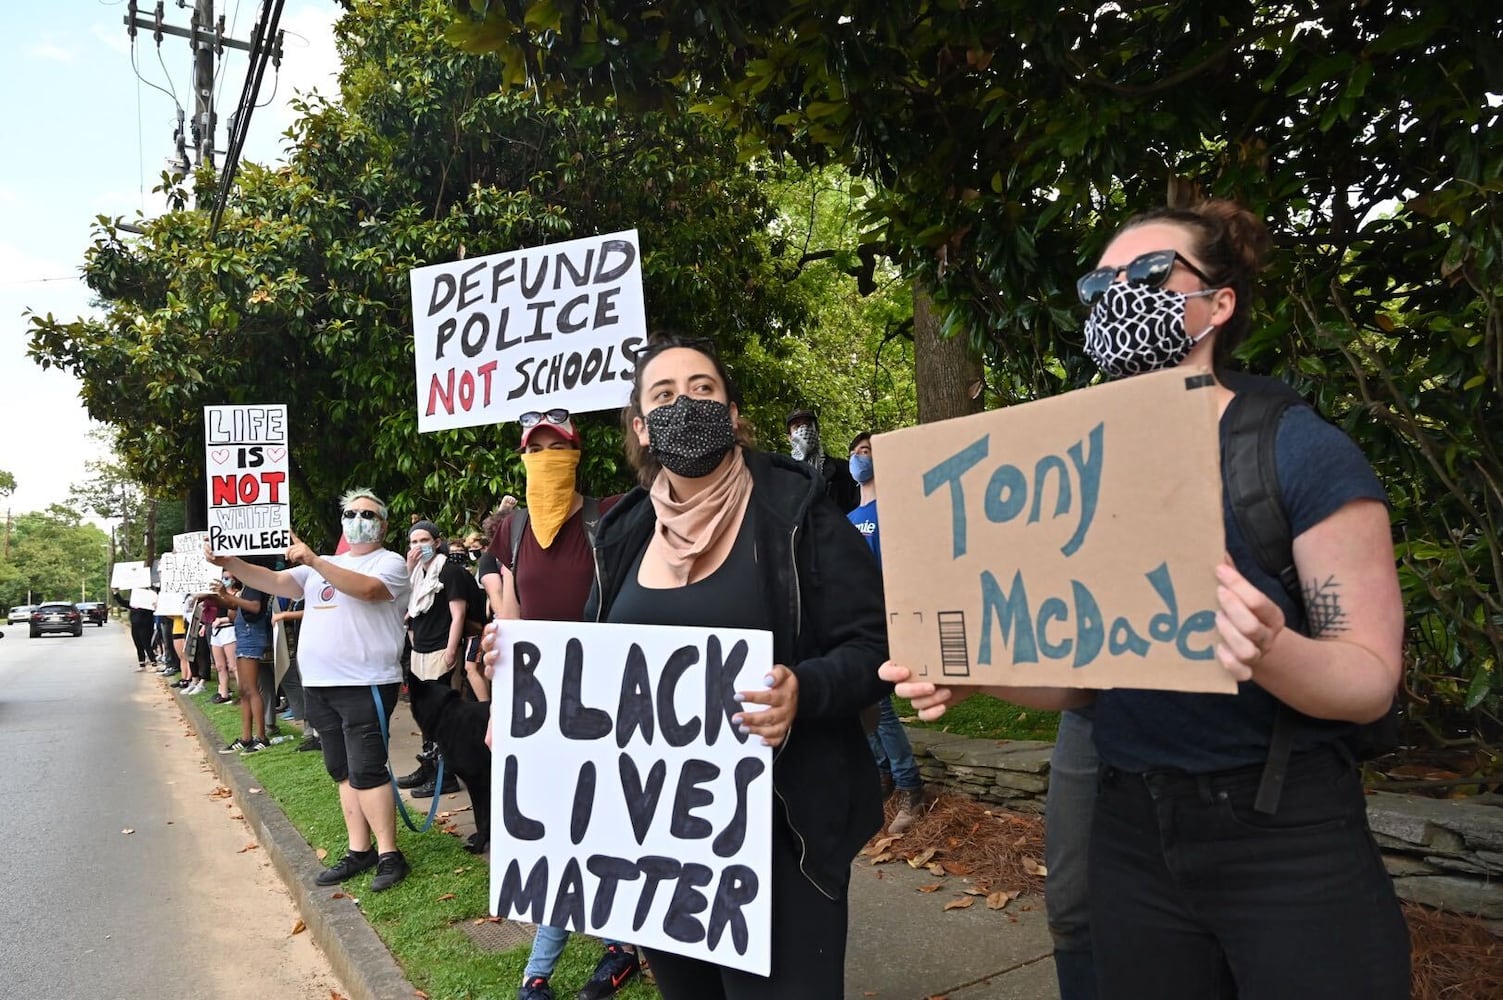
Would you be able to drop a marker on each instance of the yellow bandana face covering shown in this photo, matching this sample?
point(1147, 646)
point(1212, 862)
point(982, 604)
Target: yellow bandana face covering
point(550, 490)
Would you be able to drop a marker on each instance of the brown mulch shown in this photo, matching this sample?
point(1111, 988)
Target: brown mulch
point(975, 852)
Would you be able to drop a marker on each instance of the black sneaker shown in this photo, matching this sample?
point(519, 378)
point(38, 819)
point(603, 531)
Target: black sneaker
point(347, 867)
point(426, 789)
point(236, 746)
point(390, 869)
point(614, 970)
point(417, 779)
point(256, 745)
point(310, 743)
point(222, 699)
point(536, 988)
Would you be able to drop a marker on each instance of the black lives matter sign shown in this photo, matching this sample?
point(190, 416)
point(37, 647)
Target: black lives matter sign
point(626, 804)
point(550, 326)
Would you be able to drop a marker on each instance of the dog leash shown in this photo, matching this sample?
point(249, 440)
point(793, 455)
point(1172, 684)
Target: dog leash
point(438, 782)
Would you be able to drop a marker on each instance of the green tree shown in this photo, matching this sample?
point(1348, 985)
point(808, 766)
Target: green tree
point(304, 295)
point(1004, 141)
point(55, 556)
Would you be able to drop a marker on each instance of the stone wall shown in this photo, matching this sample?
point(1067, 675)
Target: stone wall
point(1441, 852)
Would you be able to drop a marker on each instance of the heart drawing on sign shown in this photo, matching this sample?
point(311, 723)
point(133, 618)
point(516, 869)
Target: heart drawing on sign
point(220, 455)
point(276, 453)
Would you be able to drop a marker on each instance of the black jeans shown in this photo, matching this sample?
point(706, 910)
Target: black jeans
point(808, 944)
point(1195, 895)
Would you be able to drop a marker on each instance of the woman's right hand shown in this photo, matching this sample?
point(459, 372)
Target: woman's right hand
point(929, 700)
point(490, 645)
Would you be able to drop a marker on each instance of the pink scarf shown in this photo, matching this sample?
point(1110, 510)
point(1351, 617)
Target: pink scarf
point(690, 528)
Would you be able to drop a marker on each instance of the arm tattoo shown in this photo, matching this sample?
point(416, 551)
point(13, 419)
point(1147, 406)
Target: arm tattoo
point(1323, 611)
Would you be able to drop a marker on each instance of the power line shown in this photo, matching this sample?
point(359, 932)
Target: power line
point(261, 53)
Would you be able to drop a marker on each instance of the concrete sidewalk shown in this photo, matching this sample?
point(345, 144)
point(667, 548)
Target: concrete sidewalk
point(903, 944)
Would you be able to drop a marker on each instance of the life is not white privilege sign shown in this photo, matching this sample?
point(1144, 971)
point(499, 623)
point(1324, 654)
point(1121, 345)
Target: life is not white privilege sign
point(558, 325)
point(246, 464)
point(625, 803)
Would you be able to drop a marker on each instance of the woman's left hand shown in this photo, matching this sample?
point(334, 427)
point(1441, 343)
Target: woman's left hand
point(1248, 623)
point(781, 699)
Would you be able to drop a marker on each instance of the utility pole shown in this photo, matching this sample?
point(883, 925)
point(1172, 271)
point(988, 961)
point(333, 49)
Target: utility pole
point(207, 39)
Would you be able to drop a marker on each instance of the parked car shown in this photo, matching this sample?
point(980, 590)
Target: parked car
point(21, 613)
point(56, 616)
point(95, 612)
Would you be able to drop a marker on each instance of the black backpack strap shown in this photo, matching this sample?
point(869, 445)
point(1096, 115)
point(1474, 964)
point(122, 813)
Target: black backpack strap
point(518, 525)
point(1249, 470)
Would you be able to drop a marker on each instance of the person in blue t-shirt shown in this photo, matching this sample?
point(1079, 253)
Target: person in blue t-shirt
point(1194, 891)
point(889, 742)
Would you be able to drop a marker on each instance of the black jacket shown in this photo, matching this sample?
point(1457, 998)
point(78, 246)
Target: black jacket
point(839, 486)
point(825, 599)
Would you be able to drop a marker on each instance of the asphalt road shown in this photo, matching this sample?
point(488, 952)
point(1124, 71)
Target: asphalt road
point(89, 749)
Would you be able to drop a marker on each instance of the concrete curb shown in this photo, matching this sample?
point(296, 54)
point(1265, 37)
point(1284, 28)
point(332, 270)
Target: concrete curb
point(359, 959)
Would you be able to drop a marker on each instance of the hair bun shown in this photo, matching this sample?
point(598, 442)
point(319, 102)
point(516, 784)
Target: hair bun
point(1246, 235)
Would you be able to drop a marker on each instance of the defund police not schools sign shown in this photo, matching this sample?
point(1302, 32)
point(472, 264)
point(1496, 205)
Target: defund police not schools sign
point(558, 325)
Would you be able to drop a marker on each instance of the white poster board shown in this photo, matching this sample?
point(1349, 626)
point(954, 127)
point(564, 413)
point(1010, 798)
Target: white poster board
point(143, 597)
point(130, 575)
point(558, 325)
point(626, 804)
point(281, 657)
point(184, 573)
point(246, 466)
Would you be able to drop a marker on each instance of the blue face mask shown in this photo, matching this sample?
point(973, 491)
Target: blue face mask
point(861, 469)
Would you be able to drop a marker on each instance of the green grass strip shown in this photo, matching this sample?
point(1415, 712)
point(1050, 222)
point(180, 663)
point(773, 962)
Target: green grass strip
point(423, 929)
point(984, 717)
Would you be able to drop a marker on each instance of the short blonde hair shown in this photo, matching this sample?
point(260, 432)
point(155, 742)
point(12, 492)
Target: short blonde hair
point(363, 493)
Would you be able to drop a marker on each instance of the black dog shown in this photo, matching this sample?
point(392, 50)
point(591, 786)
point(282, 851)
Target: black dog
point(458, 727)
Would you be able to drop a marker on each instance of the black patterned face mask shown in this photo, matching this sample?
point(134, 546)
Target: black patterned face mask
point(690, 436)
point(1134, 329)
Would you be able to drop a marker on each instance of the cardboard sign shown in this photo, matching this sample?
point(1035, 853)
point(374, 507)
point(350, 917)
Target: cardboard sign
point(551, 326)
point(1069, 542)
point(249, 509)
point(143, 597)
point(130, 575)
point(626, 804)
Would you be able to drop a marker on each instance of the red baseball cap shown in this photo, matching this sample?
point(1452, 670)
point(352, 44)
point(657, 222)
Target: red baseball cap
point(557, 419)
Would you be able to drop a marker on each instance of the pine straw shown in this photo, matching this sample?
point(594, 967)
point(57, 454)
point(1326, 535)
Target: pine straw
point(992, 848)
point(1454, 957)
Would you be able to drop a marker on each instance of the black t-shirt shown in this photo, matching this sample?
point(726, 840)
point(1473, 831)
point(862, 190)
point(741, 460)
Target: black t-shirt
point(730, 597)
point(430, 630)
point(1320, 470)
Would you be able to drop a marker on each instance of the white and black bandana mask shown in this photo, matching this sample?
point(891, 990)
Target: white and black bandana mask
point(1133, 329)
point(806, 446)
point(690, 436)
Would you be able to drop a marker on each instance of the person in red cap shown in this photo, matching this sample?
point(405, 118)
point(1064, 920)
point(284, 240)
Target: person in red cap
point(546, 556)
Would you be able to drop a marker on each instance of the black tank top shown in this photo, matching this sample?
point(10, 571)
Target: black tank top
point(730, 597)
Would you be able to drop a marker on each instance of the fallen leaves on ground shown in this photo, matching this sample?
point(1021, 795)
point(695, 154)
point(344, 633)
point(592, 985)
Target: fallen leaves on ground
point(299, 927)
point(248, 847)
point(220, 792)
point(933, 887)
point(446, 896)
point(321, 853)
point(337, 895)
point(960, 903)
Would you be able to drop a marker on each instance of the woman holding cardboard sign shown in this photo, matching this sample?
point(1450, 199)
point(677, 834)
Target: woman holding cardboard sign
point(1207, 877)
point(721, 535)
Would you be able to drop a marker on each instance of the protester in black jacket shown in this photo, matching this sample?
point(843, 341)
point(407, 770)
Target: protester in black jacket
point(748, 539)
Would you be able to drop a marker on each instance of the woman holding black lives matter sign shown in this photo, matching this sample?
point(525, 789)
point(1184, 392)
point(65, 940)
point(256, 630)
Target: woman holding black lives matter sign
point(722, 535)
point(1197, 889)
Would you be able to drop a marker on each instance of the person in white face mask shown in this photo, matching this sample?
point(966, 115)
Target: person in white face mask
point(349, 652)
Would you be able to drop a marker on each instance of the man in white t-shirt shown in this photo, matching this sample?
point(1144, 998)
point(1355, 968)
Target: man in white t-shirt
point(350, 646)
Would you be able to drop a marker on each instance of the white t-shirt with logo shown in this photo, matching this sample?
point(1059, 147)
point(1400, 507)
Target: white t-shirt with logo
point(347, 641)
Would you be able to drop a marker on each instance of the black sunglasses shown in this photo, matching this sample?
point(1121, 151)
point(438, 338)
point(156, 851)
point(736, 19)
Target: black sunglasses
point(531, 418)
point(1151, 269)
point(364, 515)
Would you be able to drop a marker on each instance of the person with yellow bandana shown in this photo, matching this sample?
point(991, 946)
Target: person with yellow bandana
point(547, 562)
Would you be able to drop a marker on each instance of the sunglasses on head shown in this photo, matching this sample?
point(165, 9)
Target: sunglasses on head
point(364, 515)
point(534, 417)
point(1151, 269)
